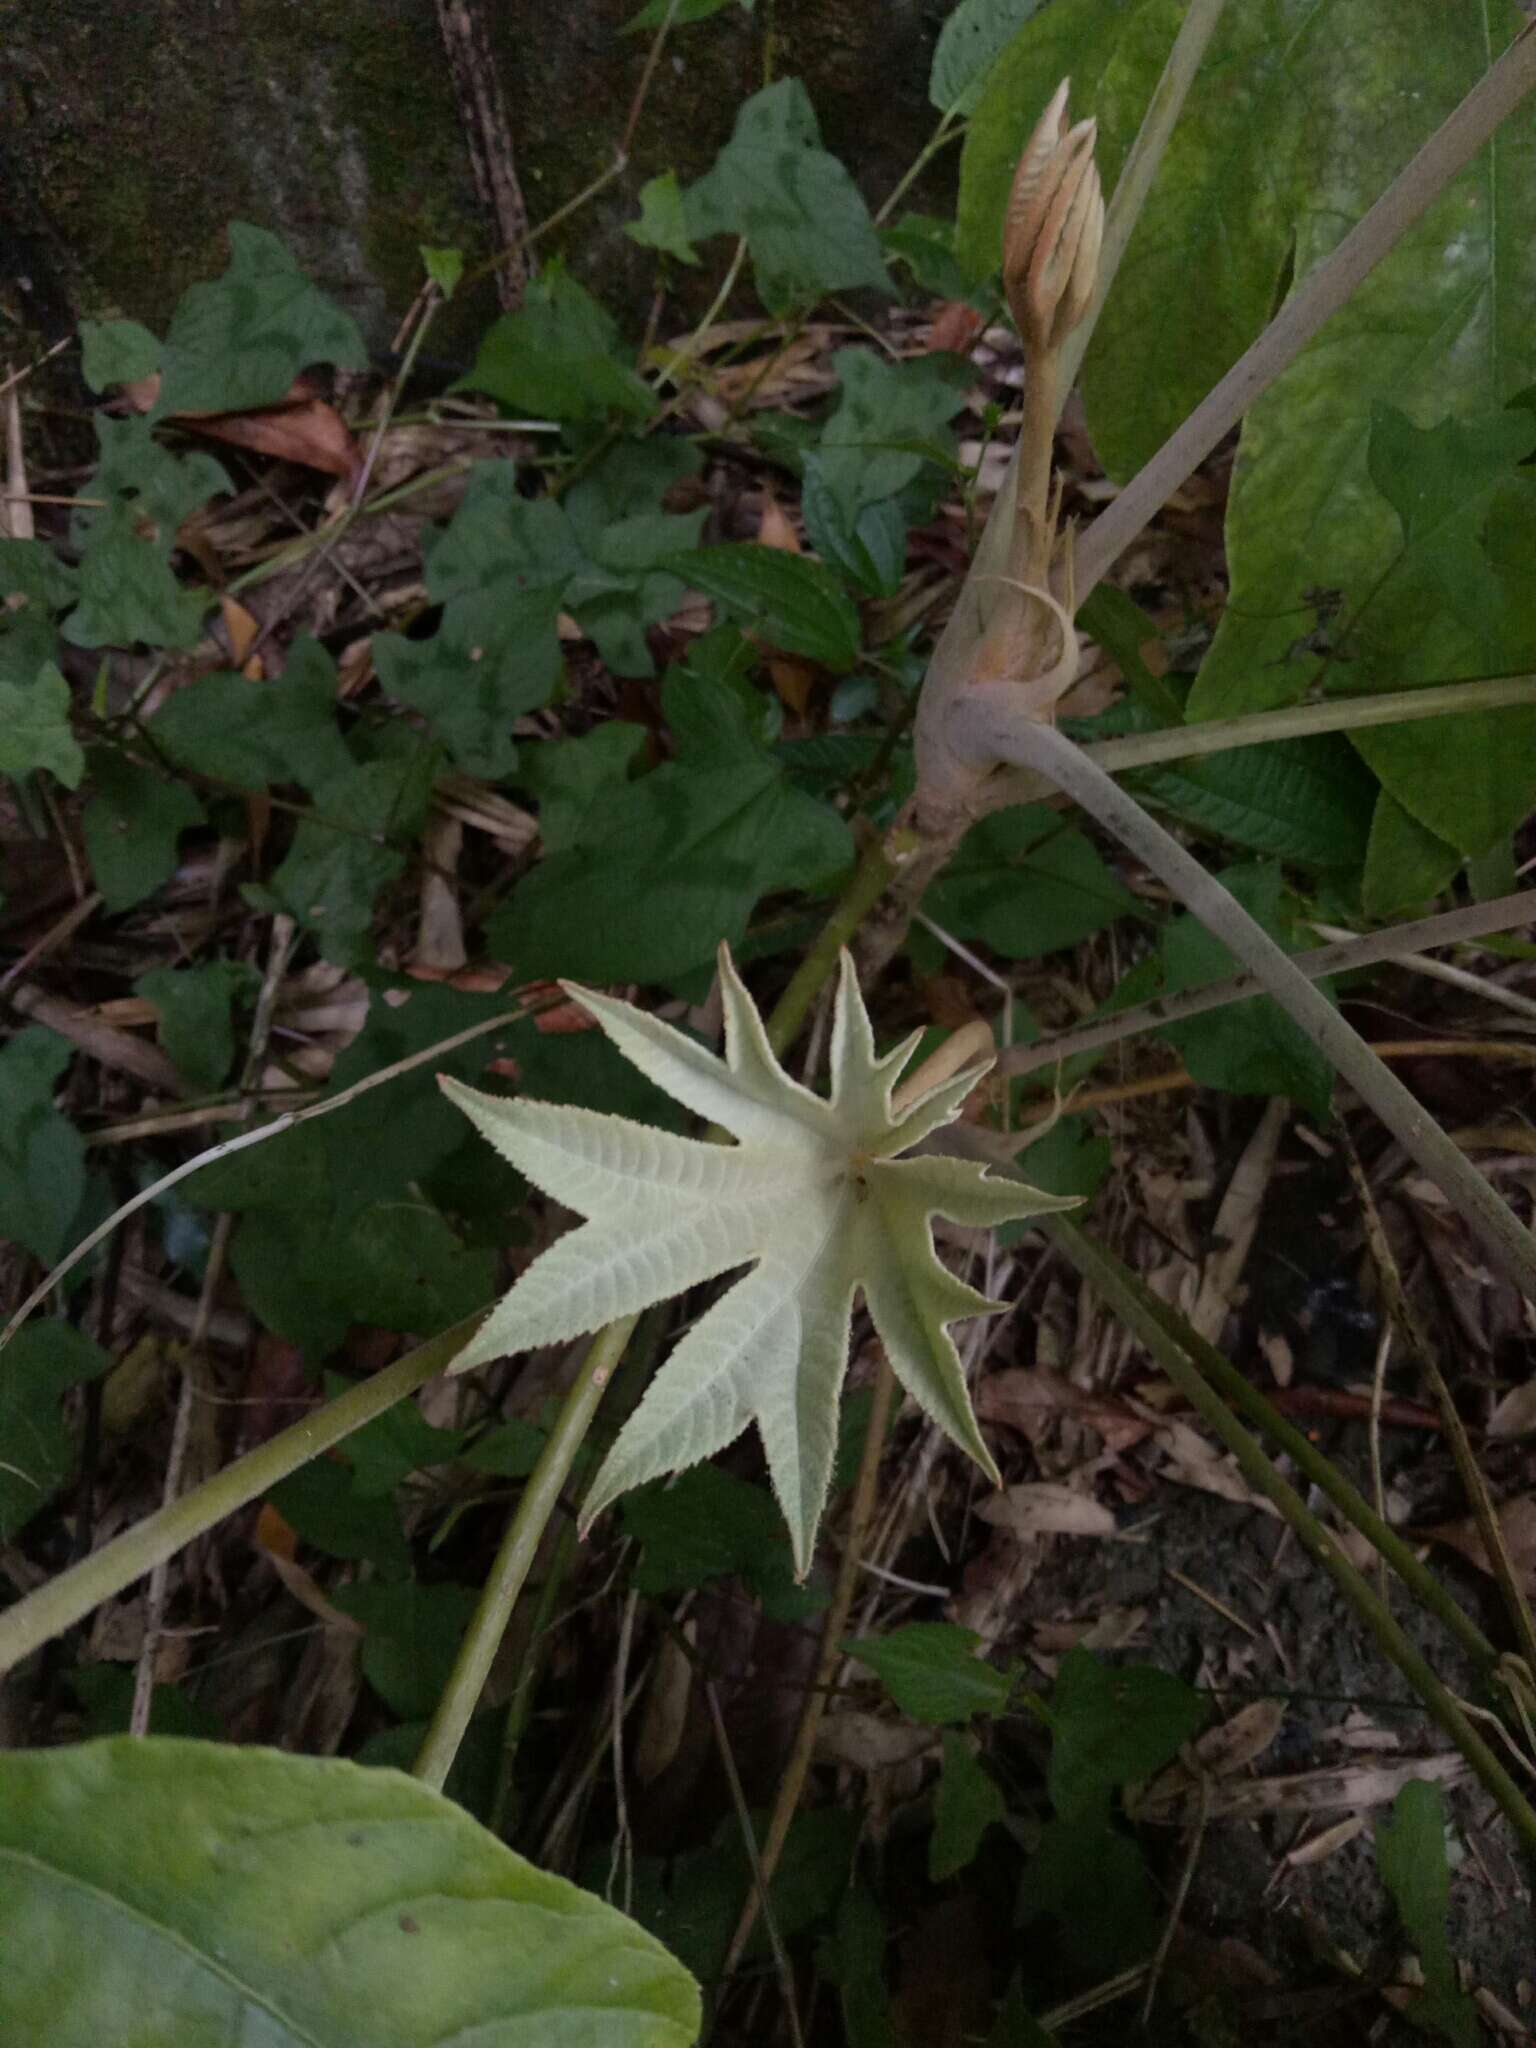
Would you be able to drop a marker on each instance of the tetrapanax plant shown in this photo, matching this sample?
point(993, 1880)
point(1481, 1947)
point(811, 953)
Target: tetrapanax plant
point(812, 1198)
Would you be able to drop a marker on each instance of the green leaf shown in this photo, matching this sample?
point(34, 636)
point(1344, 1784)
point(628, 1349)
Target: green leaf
point(282, 729)
point(35, 730)
point(1252, 1047)
point(662, 224)
point(1070, 38)
point(444, 267)
point(794, 603)
point(1026, 885)
point(707, 1524)
point(669, 865)
point(890, 419)
point(932, 1672)
point(1216, 229)
point(805, 222)
point(559, 358)
point(105, 1691)
point(967, 1804)
point(573, 777)
point(42, 1157)
point(1071, 1159)
point(272, 1257)
point(1410, 1853)
point(322, 1502)
point(196, 1026)
point(1306, 800)
point(853, 1958)
point(925, 243)
point(812, 1195)
point(1092, 1877)
point(413, 1636)
point(655, 12)
point(116, 352)
point(240, 342)
point(37, 1452)
point(1433, 329)
point(393, 1446)
point(510, 1451)
point(1113, 1725)
point(1016, 2026)
point(127, 589)
point(229, 1894)
point(30, 569)
point(342, 854)
point(131, 826)
point(1405, 865)
point(969, 44)
point(871, 549)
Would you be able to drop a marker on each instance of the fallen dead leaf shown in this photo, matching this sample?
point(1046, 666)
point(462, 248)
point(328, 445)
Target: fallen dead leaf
point(1191, 1461)
point(300, 428)
point(1322, 1846)
point(955, 326)
point(775, 528)
point(1038, 1508)
point(665, 1714)
point(1517, 1525)
point(1032, 1401)
point(1350, 1787)
point(869, 1742)
point(1515, 1415)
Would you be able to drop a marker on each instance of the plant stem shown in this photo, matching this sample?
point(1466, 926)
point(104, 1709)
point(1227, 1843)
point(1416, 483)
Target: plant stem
point(1449, 928)
point(878, 866)
point(1030, 744)
point(539, 1499)
point(1128, 1302)
point(63, 1601)
point(833, 1624)
point(949, 130)
point(1448, 151)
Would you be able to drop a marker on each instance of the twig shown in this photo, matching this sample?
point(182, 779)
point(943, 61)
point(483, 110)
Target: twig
point(1415, 189)
point(1373, 1443)
point(63, 928)
point(1454, 977)
point(759, 1866)
point(1448, 928)
point(1176, 1910)
point(536, 1504)
point(99, 1040)
point(488, 132)
point(1034, 745)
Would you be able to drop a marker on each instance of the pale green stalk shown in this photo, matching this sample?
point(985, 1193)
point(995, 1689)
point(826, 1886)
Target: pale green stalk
point(73, 1595)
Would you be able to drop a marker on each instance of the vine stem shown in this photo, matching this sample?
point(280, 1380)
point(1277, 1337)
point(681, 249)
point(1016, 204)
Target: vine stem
point(498, 1596)
point(1132, 1304)
point(985, 726)
point(1410, 195)
point(63, 1601)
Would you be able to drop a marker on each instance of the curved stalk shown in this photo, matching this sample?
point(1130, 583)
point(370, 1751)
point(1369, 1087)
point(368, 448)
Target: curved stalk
point(989, 728)
point(70, 1597)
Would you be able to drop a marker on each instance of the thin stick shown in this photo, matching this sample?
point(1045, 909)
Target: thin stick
point(833, 1624)
point(230, 1146)
point(1410, 195)
point(1176, 1910)
point(1034, 745)
point(1373, 1443)
point(1448, 928)
point(63, 1601)
point(761, 1869)
point(498, 1596)
point(1485, 990)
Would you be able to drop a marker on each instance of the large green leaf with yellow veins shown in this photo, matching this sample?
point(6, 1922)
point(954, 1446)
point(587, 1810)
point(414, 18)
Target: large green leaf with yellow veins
point(812, 1199)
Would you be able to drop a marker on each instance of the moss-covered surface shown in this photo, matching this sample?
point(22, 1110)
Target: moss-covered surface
point(130, 138)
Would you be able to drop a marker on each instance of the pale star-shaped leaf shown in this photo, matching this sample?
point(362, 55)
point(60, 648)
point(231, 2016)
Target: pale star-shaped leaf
point(811, 1198)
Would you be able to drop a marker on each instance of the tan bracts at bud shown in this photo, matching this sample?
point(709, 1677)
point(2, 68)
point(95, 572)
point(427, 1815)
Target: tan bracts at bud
point(1053, 228)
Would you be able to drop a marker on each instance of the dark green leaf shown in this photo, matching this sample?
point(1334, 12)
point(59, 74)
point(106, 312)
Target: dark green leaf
point(322, 1503)
point(1410, 1853)
point(240, 341)
point(706, 1525)
point(806, 225)
point(37, 1453)
point(254, 733)
point(1405, 865)
point(932, 1672)
point(1303, 799)
point(1026, 885)
point(794, 603)
point(655, 12)
point(397, 1265)
point(890, 419)
point(1112, 1726)
point(227, 1894)
point(967, 1804)
point(1016, 2026)
point(661, 224)
point(345, 852)
point(1070, 1159)
point(105, 1691)
point(393, 1446)
point(413, 1635)
point(969, 44)
point(674, 863)
point(116, 352)
point(853, 1958)
point(1252, 1047)
point(194, 1005)
point(35, 730)
point(572, 778)
point(131, 826)
point(30, 569)
point(926, 245)
point(1093, 1879)
point(510, 1451)
point(127, 590)
point(559, 358)
point(445, 267)
point(272, 1257)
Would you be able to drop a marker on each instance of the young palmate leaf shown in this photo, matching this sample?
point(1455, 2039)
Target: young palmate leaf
point(811, 1198)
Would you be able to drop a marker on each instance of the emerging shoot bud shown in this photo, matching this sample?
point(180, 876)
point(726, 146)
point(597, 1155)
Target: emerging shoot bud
point(1053, 228)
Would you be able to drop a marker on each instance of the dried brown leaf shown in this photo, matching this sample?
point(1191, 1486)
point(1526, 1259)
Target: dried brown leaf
point(1041, 1509)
